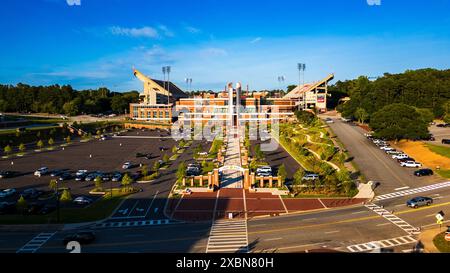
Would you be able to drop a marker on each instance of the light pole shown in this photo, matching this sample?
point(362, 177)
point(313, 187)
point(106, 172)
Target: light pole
point(164, 70)
point(168, 84)
point(301, 68)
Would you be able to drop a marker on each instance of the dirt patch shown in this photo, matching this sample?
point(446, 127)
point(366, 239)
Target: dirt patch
point(422, 154)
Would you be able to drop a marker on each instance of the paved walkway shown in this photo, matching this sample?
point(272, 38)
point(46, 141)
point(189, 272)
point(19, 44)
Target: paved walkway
point(232, 178)
point(426, 238)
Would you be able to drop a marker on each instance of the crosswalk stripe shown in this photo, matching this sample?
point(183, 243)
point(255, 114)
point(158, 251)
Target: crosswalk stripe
point(412, 191)
point(398, 241)
point(405, 226)
point(37, 242)
point(228, 236)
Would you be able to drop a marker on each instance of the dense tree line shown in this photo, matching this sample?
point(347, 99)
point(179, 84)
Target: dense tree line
point(63, 100)
point(421, 89)
point(396, 105)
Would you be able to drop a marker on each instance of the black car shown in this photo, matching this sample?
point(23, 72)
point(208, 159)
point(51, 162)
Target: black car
point(7, 174)
point(405, 159)
point(7, 208)
point(446, 141)
point(423, 172)
point(34, 208)
point(443, 125)
point(31, 193)
point(65, 176)
point(82, 237)
point(47, 209)
point(56, 173)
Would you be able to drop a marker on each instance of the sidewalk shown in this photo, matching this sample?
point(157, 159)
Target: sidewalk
point(426, 238)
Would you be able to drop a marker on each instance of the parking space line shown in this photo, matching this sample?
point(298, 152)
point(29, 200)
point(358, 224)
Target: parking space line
point(322, 203)
point(151, 204)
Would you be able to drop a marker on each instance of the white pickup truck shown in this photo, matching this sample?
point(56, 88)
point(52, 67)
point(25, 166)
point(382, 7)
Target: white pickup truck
point(410, 164)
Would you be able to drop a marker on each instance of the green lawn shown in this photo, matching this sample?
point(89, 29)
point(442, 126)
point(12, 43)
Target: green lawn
point(441, 150)
point(441, 244)
point(444, 173)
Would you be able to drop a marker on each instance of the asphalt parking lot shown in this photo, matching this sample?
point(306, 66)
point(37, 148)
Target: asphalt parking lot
point(106, 156)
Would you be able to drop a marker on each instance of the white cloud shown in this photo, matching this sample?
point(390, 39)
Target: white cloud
point(257, 39)
point(147, 32)
point(192, 29)
point(166, 31)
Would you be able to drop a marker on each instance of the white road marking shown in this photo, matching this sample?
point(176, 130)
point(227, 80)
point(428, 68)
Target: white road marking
point(357, 212)
point(412, 191)
point(402, 188)
point(273, 239)
point(393, 219)
point(37, 242)
point(384, 224)
point(228, 236)
point(374, 245)
point(331, 232)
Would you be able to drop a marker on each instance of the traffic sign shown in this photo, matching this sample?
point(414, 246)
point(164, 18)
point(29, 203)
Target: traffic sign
point(447, 237)
point(439, 217)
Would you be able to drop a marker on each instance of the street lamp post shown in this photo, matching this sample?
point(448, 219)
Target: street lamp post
point(57, 202)
point(168, 84)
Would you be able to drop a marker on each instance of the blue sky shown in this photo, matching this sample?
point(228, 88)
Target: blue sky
point(214, 42)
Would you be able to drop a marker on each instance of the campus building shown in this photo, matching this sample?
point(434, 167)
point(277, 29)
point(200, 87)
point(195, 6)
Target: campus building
point(160, 100)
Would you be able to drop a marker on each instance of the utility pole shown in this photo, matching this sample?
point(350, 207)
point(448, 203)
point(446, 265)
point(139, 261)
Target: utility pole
point(301, 68)
point(168, 84)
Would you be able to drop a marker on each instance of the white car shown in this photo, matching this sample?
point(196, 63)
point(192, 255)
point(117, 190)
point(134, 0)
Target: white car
point(410, 164)
point(264, 169)
point(7, 192)
point(41, 171)
point(310, 176)
point(81, 172)
point(386, 148)
point(203, 153)
point(126, 165)
point(400, 156)
point(82, 200)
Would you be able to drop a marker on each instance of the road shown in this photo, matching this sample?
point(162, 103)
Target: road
point(374, 164)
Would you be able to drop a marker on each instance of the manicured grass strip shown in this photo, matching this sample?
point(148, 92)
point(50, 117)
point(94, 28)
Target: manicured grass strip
point(444, 151)
point(444, 173)
point(441, 244)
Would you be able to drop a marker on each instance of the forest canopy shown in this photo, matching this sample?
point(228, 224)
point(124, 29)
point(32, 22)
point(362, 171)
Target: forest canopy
point(64, 99)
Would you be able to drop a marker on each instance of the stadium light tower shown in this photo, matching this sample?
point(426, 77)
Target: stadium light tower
point(301, 68)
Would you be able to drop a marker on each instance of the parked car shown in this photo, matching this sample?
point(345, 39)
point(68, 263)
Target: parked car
point(310, 176)
point(423, 172)
point(91, 176)
point(345, 119)
point(400, 160)
point(386, 148)
point(7, 174)
point(192, 171)
point(264, 173)
point(410, 164)
point(446, 141)
point(82, 200)
point(400, 156)
point(56, 173)
point(31, 193)
point(116, 177)
point(65, 176)
point(126, 165)
point(394, 152)
point(443, 125)
point(7, 208)
point(80, 177)
point(329, 120)
point(419, 202)
point(264, 169)
point(82, 237)
point(81, 172)
point(48, 208)
point(34, 208)
point(7, 192)
point(106, 176)
point(41, 171)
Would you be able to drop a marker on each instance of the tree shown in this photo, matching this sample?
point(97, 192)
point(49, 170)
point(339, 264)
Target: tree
point(298, 176)
point(258, 153)
point(51, 142)
point(165, 158)
point(174, 149)
point(22, 147)
point(98, 183)
point(156, 166)
point(181, 171)
point(21, 204)
point(40, 144)
point(144, 170)
point(181, 143)
point(361, 114)
point(282, 173)
point(98, 133)
point(397, 121)
point(7, 149)
point(53, 185)
point(126, 182)
point(68, 140)
point(66, 196)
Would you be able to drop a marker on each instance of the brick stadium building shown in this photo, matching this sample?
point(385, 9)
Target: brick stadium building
point(161, 99)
